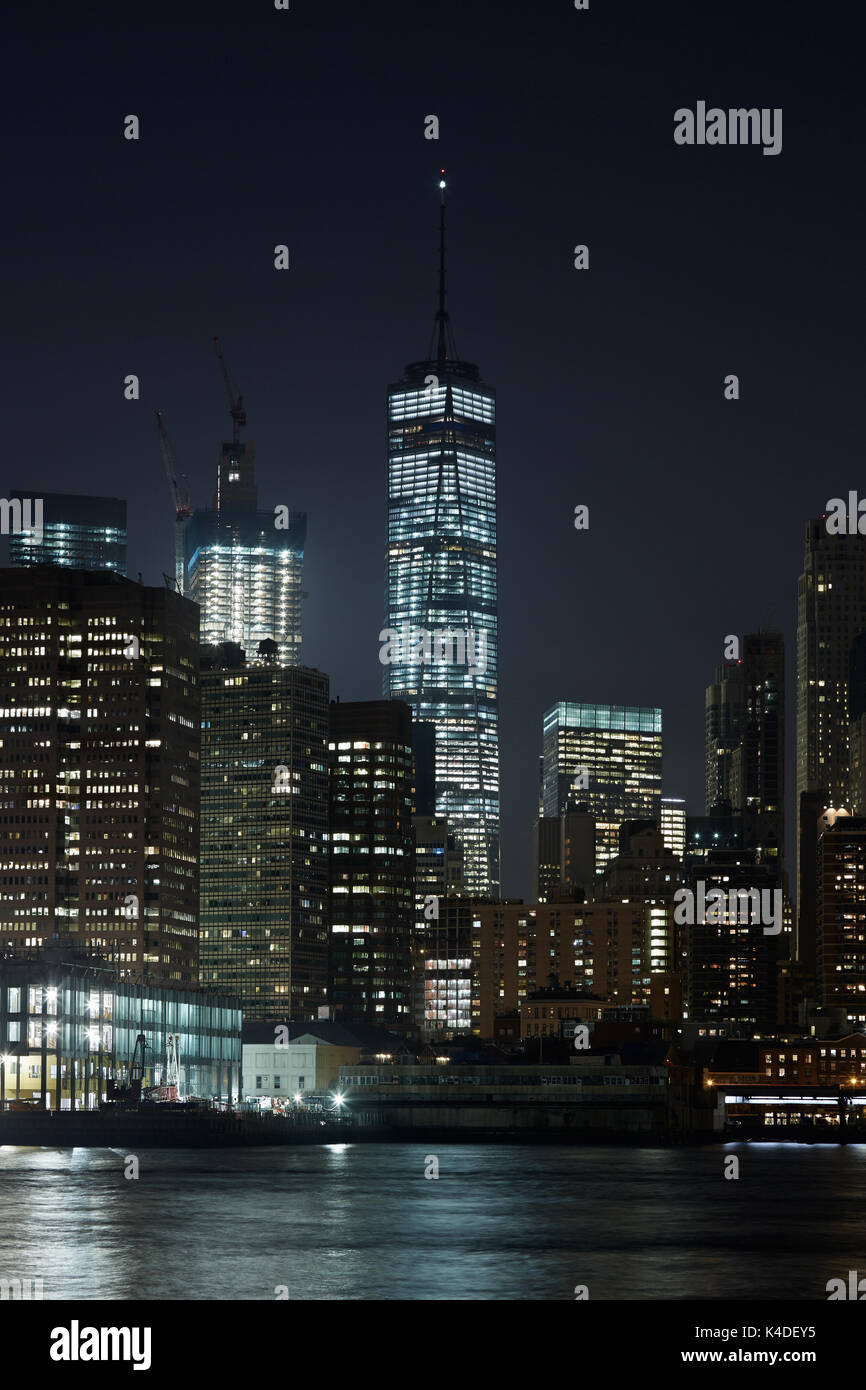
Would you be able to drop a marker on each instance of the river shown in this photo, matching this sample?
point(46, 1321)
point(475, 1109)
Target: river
point(361, 1221)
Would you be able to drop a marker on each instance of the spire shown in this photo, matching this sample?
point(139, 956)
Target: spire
point(442, 355)
point(442, 316)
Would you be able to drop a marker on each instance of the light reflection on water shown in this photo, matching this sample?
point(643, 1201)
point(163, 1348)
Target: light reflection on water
point(360, 1221)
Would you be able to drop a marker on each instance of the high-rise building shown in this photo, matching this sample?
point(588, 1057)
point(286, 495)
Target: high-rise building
point(704, 834)
point(424, 753)
point(831, 614)
point(440, 647)
point(578, 854)
point(729, 961)
point(841, 916)
point(372, 862)
point(264, 857)
point(856, 796)
point(673, 825)
point(81, 533)
point(814, 813)
point(438, 875)
point(646, 871)
point(244, 566)
point(745, 742)
point(492, 956)
point(547, 856)
point(564, 856)
point(99, 768)
point(605, 759)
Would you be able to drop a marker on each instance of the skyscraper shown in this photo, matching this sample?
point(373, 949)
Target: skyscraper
point(264, 834)
point(605, 759)
point(81, 533)
point(372, 862)
point(438, 875)
point(841, 916)
point(546, 856)
point(673, 825)
point(730, 966)
point(831, 613)
point(745, 742)
point(99, 761)
point(441, 585)
point(856, 798)
point(563, 856)
point(244, 566)
point(647, 871)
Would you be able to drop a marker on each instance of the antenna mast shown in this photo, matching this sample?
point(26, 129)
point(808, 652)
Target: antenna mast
point(442, 316)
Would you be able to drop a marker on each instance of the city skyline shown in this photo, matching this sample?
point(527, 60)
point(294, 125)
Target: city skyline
point(433, 668)
point(610, 381)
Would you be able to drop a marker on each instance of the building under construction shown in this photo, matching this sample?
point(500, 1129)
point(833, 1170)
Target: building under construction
point(242, 565)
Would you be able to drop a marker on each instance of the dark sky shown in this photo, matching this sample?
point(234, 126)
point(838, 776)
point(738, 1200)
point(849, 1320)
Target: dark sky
point(306, 127)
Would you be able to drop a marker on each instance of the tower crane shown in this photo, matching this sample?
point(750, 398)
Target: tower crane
point(236, 403)
point(182, 507)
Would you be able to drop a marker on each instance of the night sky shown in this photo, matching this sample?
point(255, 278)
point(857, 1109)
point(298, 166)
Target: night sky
point(306, 127)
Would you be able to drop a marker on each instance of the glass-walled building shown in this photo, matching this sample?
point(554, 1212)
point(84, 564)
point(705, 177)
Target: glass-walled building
point(244, 566)
point(80, 533)
point(605, 759)
point(68, 1026)
point(441, 624)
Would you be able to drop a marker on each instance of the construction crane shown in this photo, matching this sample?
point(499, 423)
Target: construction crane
point(182, 508)
point(127, 1090)
point(236, 403)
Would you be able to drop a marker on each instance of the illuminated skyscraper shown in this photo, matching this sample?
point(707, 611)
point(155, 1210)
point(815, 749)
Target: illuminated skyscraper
point(99, 764)
point(244, 566)
point(673, 825)
point(605, 759)
point(264, 828)
point(831, 613)
point(80, 533)
point(372, 862)
point(745, 742)
point(841, 911)
point(441, 588)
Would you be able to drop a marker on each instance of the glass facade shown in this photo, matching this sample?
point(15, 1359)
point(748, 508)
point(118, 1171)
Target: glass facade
point(244, 566)
point(67, 1028)
point(441, 580)
point(606, 759)
point(82, 533)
